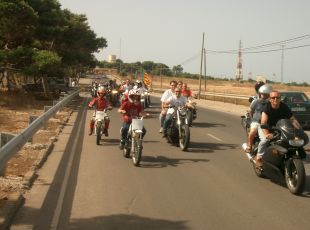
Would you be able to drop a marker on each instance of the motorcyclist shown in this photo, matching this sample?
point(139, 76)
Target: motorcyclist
point(168, 93)
point(126, 86)
point(176, 100)
point(100, 103)
point(256, 109)
point(274, 111)
point(129, 109)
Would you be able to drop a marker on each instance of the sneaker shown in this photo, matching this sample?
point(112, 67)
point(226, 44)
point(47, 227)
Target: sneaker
point(161, 130)
point(165, 135)
point(90, 132)
point(121, 145)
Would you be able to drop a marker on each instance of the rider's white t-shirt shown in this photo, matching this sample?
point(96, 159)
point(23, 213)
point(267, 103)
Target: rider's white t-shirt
point(167, 94)
point(175, 101)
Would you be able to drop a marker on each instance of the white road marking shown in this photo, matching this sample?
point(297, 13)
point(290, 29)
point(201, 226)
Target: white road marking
point(214, 137)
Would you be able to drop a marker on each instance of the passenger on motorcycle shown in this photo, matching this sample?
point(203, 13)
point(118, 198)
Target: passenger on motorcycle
point(140, 87)
point(175, 101)
point(167, 94)
point(186, 92)
point(127, 86)
point(274, 111)
point(100, 103)
point(256, 109)
point(256, 87)
point(129, 109)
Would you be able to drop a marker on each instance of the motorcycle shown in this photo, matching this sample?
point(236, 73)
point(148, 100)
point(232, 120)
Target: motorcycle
point(134, 143)
point(282, 160)
point(178, 132)
point(93, 91)
point(99, 124)
point(191, 112)
point(113, 96)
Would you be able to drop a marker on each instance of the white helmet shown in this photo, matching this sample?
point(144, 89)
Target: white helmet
point(265, 89)
point(101, 90)
point(132, 93)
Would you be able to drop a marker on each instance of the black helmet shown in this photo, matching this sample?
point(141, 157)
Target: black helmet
point(258, 85)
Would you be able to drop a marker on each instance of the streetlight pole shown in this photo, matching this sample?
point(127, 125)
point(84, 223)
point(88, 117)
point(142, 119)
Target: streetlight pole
point(282, 61)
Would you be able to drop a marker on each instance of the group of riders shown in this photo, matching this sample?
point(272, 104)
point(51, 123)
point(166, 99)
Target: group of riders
point(130, 103)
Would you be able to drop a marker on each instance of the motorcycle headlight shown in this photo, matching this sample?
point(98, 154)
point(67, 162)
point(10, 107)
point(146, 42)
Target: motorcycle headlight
point(114, 91)
point(296, 142)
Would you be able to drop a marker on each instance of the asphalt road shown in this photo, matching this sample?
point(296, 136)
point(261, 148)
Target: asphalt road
point(212, 186)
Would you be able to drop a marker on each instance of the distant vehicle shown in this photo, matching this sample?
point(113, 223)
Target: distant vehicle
point(56, 85)
point(299, 104)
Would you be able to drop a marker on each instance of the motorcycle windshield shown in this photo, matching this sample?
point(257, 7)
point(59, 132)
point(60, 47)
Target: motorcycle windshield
point(289, 132)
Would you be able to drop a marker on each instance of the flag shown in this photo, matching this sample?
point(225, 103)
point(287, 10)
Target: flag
point(146, 79)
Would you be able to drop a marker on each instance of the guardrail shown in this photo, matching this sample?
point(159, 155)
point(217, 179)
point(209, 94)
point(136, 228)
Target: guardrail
point(16, 143)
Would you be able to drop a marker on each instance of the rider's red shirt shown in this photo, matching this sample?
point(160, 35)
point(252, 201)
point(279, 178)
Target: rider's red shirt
point(100, 103)
point(187, 93)
point(132, 110)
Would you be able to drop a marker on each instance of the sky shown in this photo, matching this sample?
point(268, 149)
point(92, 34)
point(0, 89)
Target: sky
point(171, 32)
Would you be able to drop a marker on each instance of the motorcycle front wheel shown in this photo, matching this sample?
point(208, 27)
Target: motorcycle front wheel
point(184, 137)
point(98, 133)
point(295, 176)
point(137, 153)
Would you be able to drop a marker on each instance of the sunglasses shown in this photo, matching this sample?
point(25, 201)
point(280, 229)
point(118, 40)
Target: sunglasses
point(273, 98)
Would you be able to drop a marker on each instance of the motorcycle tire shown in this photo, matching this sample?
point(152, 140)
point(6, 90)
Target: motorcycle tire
point(184, 137)
point(98, 132)
point(295, 176)
point(137, 153)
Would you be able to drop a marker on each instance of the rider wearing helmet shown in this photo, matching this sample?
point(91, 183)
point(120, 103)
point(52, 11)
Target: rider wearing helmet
point(129, 109)
point(256, 107)
point(100, 103)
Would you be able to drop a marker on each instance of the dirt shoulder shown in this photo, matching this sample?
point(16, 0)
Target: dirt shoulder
point(15, 111)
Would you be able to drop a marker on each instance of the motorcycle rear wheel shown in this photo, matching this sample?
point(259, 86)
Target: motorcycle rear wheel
point(184, 137)
point(295, 176)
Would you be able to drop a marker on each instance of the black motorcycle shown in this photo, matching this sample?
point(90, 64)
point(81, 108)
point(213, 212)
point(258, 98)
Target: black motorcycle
point(282, 160)
point(178, 132)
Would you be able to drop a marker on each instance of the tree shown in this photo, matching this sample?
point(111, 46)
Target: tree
point(177, 69)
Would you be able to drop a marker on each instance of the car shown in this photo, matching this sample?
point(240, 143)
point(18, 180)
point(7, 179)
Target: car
point(299, 104)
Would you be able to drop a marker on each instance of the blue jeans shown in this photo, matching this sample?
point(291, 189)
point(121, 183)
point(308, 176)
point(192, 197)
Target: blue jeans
point(125, 129)
point(263, 143)
point(167, 122)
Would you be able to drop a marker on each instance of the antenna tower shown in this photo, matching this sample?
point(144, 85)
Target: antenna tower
point(239, 75)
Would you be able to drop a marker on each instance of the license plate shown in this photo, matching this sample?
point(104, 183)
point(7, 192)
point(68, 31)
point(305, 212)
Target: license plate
point(299, 109)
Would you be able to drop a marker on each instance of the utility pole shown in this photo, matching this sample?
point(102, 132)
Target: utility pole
point(239, 75)
point(205, 69)
point(282, 63)
point(203, 39)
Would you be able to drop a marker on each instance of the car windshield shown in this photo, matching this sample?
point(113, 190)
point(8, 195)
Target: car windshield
point(294, 98)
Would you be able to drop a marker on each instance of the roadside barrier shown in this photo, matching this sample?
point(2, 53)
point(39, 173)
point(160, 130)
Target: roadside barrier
point(11, 148)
